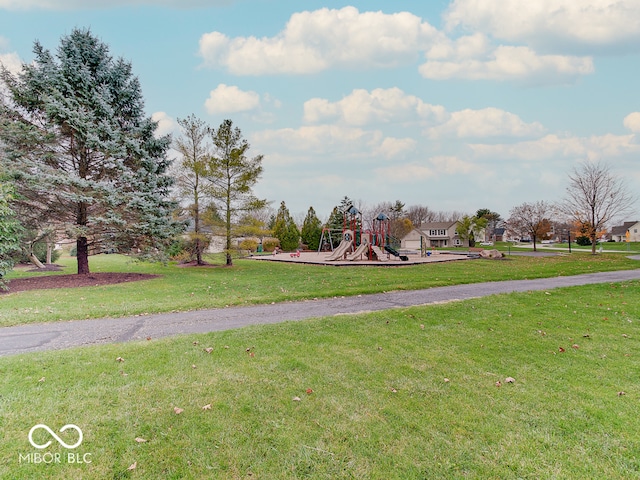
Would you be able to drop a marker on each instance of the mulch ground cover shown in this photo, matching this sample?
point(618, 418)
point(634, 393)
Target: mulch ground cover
point(73, 281)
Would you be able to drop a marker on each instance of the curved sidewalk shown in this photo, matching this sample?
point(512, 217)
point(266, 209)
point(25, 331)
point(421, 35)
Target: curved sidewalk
point(61, 335)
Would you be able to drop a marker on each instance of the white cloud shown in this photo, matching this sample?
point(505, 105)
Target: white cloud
point(326, 141)
point(488, 122)
point(103, 4)
point(553, 146)
point(394, 147)
point(632, 122)
point(553, 25)
point(319, 139)
point(317, 40)
point(450, 165)
point(510, 63)
point(166, 124)
point(413, 172)
point(11, 61)
point(380, 105)
point(230, 99)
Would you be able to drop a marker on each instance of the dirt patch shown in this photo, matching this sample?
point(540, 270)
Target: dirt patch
point(73, 281)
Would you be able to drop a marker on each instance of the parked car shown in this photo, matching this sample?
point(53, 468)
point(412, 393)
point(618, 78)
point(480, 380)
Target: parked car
point(486, 244)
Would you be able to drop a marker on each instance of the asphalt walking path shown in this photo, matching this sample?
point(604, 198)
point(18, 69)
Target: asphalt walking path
point(62, 335)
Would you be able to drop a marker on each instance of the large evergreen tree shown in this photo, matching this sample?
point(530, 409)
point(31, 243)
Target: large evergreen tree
point(9, 231)
point(285, 229)
point(311, 230)
point(232, 176)
point(83, 153)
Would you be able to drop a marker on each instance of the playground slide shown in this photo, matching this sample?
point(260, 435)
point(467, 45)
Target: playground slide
point(340, 251)
point(362, 248)
point(395, 253)
point(379, 253)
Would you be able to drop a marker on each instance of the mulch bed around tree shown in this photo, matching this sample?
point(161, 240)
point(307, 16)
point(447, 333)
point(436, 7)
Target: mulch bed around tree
point(73, 280)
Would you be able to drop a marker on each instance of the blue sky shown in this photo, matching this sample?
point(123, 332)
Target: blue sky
point(456, 105)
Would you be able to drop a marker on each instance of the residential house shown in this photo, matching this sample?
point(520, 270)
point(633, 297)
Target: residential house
point(619, 233)
point(436, 234)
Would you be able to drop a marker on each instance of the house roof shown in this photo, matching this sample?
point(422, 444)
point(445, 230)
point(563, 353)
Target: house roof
point(436, 226)
point(622, 229)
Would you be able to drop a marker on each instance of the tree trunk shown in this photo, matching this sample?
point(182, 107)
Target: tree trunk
point(228, 221)
point(533, 237)
point(82, 255)
point(82, 245)
point(593, 244)
point(49, 252)
point(35, 260)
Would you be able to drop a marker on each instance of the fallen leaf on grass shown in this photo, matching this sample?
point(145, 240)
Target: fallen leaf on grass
point(207, 407)
point(309, 391)
point(133, 466)
point(140, 440)
point(120, 359)
point(576, 346)
point(393, 390)
point(41, 380)
point(208, 349)
point(446, 380)
point(498, 383)
point(621, 393)
point(178, 410)
point(561, 350)
point(196, 343)
point(296, 399)
point(509, 380)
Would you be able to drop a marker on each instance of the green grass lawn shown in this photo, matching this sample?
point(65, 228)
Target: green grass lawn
point(253, 282)
point(400, 394)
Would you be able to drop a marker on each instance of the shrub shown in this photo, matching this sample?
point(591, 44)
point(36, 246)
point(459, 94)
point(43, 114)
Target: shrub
point(184, 250)
point(583, 241)
point(269, 244)
point(248, 244)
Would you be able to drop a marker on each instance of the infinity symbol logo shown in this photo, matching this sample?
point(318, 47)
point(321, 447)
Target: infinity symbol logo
point(53, 434)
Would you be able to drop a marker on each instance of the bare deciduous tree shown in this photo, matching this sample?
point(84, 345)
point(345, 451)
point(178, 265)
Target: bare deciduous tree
point(594, 197)
point(531, 219)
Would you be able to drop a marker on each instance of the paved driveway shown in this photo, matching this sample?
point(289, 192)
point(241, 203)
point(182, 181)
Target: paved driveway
point(61, 335)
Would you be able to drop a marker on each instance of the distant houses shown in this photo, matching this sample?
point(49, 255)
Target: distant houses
point(628, 231)
point(436, 234)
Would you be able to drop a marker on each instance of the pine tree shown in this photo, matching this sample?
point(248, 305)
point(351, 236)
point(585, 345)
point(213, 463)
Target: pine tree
point(83, 153)
point(191, 172)
point(285, 229)
point(311, 230)
point(9, 231)
point(232, 176)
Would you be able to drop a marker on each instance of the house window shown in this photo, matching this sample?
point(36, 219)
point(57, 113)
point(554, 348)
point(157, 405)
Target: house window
point(434, 233)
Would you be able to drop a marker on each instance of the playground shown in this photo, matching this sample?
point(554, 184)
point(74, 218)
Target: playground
point(357, 246)
point(393, 261)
